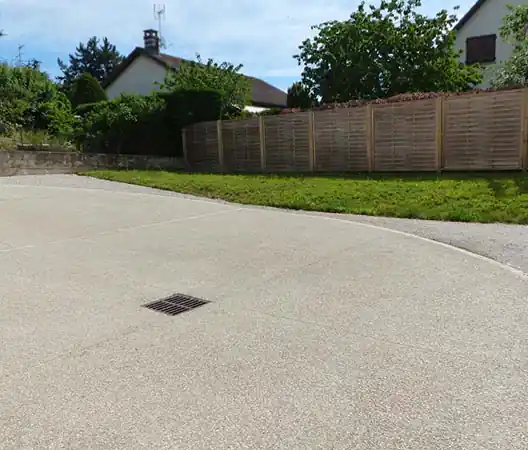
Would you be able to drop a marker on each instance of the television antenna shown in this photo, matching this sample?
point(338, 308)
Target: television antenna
point(159, 15)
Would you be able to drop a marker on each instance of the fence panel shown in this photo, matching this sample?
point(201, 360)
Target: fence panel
point(241, 139)
point(483, 131)
point(341, 140)
point(287, 143)
point(405, 136)
point(201, 141)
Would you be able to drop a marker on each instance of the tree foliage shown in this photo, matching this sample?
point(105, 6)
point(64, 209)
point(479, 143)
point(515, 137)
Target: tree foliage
point(86, 89)
point(98, 58)
point(383, 51)
point(225, 78)
point(299, 96)
point(30, 100)
point(514, 71)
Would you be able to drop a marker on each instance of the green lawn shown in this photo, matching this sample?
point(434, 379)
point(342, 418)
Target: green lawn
point(496, 197)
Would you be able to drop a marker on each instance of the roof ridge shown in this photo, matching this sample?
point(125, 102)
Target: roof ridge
point(247, 76)
point(262, 92)
point(469, 14)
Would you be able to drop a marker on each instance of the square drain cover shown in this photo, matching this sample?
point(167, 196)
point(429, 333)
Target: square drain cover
point(176, 304)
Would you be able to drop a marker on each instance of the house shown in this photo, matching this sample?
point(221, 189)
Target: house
point(144, 67)
point(477, 35)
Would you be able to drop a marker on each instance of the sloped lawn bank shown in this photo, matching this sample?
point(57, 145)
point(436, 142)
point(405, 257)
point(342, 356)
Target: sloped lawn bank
point(494, 197)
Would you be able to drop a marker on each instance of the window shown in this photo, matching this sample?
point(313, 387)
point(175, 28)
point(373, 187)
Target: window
point(481, 49)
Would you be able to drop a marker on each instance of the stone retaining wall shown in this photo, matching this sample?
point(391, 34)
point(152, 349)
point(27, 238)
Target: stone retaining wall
point(16, 162)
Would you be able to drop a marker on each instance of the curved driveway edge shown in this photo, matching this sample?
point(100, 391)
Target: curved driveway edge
point(507, 244)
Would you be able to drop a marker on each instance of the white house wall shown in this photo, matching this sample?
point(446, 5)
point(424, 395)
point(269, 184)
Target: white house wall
point(487, 20)
point(138, 78)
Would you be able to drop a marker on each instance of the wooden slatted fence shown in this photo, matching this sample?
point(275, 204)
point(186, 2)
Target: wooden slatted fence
point(484, 131)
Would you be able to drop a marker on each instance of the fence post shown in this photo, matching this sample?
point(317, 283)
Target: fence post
point(439, 133)
point(369, 129)
point(524, 129)
point(220, 139)
point(262, 137)
point(184, 147)
point(311, 140)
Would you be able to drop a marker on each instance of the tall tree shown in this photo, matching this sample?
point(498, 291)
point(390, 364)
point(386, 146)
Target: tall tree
point(225, 78)
point(514, 71)
point(382, 51)
point(98, 58)
point(299, 96)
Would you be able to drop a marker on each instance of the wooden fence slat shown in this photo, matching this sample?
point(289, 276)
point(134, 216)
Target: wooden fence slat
point(220, 138)
point(524, 130)
point(262, 138)
point(184, 146)
point(369, 121)
point(439, 132)
point(311, 141)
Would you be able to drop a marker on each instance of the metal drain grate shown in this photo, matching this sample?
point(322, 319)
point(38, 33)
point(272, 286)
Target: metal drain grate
point(176, 304)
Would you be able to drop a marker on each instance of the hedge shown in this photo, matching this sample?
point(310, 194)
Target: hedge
point(134, 124)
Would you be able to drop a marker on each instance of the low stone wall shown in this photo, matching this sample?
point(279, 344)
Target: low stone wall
point(17, 162)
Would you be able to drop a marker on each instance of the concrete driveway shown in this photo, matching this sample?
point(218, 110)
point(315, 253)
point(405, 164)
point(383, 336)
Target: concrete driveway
point(321, 333)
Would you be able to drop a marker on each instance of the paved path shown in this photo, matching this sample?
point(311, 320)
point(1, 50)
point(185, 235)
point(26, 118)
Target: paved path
point(322, 333)
point(507, 244)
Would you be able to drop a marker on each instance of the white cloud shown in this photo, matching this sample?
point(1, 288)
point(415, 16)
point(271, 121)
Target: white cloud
point(261, 35)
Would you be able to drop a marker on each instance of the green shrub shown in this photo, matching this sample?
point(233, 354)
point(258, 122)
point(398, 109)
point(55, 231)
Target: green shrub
point(231, 87)
point(30, 101)
point(84, 109)
point(299, 96)
point(187, 106)
point(23, 93)
point(87, 90)
point(135, 124)
point(122, 125)
point(59, 116)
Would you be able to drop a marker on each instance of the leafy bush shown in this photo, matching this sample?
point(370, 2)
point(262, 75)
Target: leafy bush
point(22, 91)
point(61, 119)
point(299, 96)
point(82, 110)
point(187, 106)
point(87, 90)
point(117, 126)
point(30, 101)
point(233, 88)
point(135, 124)
point(514, 71)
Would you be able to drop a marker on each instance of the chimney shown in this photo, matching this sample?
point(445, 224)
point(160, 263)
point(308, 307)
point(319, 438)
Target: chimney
point(151, 40)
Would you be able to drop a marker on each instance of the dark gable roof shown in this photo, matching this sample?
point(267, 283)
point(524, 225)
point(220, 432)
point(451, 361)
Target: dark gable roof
point(263, 93)
point(476, 6)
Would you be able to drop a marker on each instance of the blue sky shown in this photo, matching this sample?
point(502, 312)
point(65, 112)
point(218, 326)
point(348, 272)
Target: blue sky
point(262, 36)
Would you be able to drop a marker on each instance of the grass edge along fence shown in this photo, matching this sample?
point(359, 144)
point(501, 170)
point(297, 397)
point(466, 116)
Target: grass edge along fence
point(477, 131)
